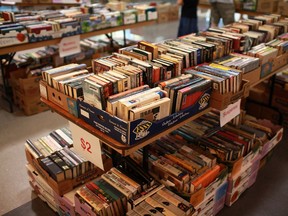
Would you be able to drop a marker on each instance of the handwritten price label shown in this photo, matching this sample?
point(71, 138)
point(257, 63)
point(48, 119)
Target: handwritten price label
point(229, 113)
point(87, 145)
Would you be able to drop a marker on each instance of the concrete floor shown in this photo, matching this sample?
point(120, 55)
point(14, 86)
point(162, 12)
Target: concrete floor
point(269, 196)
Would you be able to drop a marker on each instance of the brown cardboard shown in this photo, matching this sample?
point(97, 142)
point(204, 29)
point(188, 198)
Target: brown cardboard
point(28, 86)
point(174, 12)
point(260, 93)
point(280, 61)
point(30, 1)
point(283, 8)
point(252, 76)
point(280, 99)
point(267, 6)
point(64, 101)
point(221, 101)
point(67, 185)
point(163, 17)
point(45, 1)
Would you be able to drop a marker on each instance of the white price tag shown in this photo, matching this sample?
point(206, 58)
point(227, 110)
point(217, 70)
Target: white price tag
point(43, 91)
point(152, 15)
point(86, 145)
point(69, 46)
point(229, 113)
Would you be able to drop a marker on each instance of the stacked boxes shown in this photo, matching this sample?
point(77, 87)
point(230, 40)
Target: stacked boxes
point(26, 92)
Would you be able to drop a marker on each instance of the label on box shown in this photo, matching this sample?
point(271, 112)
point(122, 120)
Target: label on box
point(43, 91)
point(152, 15)
point(141, 17)
point(69, 46)
point(229, 113)
point(87, 145)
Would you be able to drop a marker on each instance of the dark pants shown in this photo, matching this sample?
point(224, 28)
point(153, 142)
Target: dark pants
point(187, 26)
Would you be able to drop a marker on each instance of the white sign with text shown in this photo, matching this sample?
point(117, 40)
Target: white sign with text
point(87, 145)
point(229, 113)
point(69, 46)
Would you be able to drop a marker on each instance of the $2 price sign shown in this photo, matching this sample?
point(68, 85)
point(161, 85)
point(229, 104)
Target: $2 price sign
point(87, 145)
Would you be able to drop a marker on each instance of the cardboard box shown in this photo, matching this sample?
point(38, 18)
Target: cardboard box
point(30, 1)
point(163, 17)
point(280, 99)
point(83, 208)
point(282, 8)
point(13, 37)
point(252, 76)
point(199, 196)
point(28, 86)
point(67, 185)
point(130, 133)
point(260, 93)
point(45, 1)
point(221, 101)
point(269, 145)
point(267, 6)
point(280, 61)
point(64, 101)
point(262, 112)
point(174, 12)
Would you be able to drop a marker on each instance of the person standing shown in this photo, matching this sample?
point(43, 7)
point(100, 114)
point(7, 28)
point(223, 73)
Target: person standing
point(224, 9)
point(188, 20)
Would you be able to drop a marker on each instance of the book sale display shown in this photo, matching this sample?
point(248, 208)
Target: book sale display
point(155, 128)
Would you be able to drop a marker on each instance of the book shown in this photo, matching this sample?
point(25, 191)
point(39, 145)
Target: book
point(62, 164)
point(152, 111)
point(52, 168)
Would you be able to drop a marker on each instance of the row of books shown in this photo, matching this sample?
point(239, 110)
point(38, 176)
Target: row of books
point(230, 142)
point(56, 155)
point(115, 193)
point(46, 25)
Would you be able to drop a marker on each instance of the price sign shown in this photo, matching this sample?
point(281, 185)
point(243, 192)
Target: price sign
point(69, 46)
point(229, 113)
point(86, 145)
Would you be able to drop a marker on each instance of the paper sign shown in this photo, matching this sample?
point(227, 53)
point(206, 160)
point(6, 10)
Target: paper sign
point(229, 113)
point(87, 145)
point(69, 46)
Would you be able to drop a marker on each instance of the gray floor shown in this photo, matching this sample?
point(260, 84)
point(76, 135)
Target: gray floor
point(269, 196)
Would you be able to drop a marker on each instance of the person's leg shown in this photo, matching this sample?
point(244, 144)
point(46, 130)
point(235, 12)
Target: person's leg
point(193, 25)
point(184, 26)
point(227, 12)
point(215, 15)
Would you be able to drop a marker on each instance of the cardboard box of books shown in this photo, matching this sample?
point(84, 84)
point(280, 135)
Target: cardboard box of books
point(221, 101)
point(273, 141)
point(203, 193)
point(129, 16)
point(220, 196)
point(141, 129)
point(28, 86)
point(245, 172)
point(64, 101)
point(252, 76)
point(66, 185)
point(12, 34)
point(280, 99)
point(267, 6)
point(235, 167)
point(282, 8)
point(280, 61)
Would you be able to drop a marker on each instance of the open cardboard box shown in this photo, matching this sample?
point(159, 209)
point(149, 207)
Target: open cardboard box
point(221, 101)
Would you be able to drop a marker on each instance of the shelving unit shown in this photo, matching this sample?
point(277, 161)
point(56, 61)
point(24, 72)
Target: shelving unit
point(26, 46)
point(7, 53)
point(122, 149)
